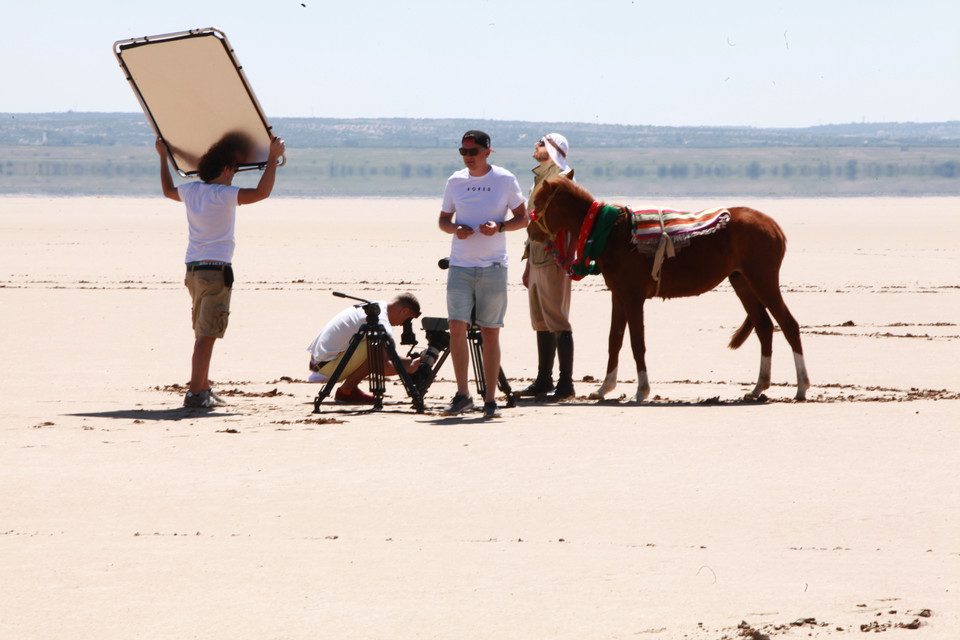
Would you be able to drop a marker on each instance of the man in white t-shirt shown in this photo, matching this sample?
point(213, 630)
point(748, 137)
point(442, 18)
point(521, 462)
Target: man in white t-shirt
point(330, 345)
point(480, 203)
point(211, 211)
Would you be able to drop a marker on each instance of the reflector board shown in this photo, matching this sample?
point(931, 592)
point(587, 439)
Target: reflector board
point(193, 91)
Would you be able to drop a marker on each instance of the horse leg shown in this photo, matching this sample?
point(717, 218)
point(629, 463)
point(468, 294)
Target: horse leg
point(634, 314)
point(618, 322)
point(758, 317)
point(767, 289)
point(791, 331)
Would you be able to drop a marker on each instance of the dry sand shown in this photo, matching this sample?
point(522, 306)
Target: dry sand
point(696, 515)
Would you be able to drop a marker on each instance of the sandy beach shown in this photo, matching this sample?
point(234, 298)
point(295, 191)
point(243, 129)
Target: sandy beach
point(694, 515)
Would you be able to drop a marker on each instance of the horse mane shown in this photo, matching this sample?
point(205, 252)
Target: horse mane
point(570, 187)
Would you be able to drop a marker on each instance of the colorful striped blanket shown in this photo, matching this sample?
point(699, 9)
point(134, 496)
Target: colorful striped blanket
point(681, 226)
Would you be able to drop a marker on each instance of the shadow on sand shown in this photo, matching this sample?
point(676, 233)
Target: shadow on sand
point(175, 414)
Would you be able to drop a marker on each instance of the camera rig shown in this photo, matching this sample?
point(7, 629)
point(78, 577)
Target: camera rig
point(435, 354)
point(379, 345)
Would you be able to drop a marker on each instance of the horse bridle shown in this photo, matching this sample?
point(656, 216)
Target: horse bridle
point(540, 217)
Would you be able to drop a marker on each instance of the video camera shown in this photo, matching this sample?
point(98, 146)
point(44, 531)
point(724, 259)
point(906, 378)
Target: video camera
point(432, 358)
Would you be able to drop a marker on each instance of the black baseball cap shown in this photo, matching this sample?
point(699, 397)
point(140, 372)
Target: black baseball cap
point(479, 138)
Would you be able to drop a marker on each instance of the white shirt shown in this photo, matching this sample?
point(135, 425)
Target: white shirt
point(211, 217)
point(474, 201)
point(334, 338)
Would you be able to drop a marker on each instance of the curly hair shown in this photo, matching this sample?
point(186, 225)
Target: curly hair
point(228, 151)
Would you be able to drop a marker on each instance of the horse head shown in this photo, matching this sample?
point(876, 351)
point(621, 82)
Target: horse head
point(560, 203)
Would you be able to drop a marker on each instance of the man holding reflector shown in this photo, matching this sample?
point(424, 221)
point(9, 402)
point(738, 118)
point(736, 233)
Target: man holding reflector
point(211, 206)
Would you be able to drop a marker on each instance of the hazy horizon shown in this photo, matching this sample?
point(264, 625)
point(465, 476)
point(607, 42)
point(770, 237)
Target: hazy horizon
point(139, 113)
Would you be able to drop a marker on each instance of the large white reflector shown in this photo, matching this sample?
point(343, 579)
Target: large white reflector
point(193, 91)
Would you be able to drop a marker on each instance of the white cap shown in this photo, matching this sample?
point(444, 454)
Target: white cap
point(557, 148)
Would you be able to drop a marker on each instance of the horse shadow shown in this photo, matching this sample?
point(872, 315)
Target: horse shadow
point(715, 401)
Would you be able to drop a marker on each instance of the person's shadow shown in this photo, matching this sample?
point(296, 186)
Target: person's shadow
point(174, 414)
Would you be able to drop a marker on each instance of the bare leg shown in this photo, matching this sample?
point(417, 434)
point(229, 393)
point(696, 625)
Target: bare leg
point(491, 360)
point(461, 356)
point(200, 364)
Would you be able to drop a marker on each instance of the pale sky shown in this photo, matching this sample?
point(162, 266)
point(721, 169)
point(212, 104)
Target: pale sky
point(759, 63)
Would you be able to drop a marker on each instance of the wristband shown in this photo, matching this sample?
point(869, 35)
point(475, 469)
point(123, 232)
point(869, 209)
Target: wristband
point(503, 226)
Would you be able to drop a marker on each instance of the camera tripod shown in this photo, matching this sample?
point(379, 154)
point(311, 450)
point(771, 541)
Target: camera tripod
point(379, 344)
point(475, 340)
point(438, 348)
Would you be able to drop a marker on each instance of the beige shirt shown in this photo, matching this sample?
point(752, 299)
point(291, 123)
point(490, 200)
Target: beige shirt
point(536, 252)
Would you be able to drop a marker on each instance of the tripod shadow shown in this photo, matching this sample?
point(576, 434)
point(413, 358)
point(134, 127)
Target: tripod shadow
point(175, 414)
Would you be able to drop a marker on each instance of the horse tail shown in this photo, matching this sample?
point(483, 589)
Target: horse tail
point(741, 335)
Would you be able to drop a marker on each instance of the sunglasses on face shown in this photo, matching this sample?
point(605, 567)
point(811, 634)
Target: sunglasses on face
point(470, 152)
point(541, 143)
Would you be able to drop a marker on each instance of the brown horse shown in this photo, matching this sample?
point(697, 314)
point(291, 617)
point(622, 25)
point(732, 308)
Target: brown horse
point(748, 252)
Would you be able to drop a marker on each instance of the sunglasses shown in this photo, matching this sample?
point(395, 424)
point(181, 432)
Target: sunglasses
point(541, 143)
point(470, 152)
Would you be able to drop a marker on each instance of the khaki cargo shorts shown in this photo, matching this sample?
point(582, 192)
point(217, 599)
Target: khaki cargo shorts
point(211, 302)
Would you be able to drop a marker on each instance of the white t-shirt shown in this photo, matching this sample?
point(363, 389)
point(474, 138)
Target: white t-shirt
point(474, 201)
point(334, 338)
point(211, 216)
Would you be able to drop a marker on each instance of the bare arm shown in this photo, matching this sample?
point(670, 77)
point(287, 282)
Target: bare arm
point(166, 180)
point(265, 186)
point(517, 221)
point(447, 225)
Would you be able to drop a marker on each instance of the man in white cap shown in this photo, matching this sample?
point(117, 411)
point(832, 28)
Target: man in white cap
point(548, 287)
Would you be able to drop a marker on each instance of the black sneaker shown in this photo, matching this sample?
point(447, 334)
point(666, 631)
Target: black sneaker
point(458, 405)
point(197, 400)
point(490, 409)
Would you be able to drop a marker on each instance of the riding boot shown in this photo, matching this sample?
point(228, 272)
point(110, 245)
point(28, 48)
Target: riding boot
point(564, 388)
point(546, 348)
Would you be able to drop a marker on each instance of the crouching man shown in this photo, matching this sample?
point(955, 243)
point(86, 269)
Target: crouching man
point(330, 346)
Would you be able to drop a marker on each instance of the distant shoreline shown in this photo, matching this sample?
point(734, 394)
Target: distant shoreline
point(112, 154)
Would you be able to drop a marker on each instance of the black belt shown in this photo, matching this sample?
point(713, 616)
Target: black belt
point(226, 267)
point(207, 267)
point(316, 366)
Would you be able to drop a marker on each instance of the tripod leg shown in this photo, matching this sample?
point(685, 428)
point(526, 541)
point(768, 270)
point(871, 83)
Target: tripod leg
point(504, 386)
point(378, 385)
point(475, 339)
point(328, 387)
point(405, 378)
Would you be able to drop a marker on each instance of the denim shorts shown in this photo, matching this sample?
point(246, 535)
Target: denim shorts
point(482, 287)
